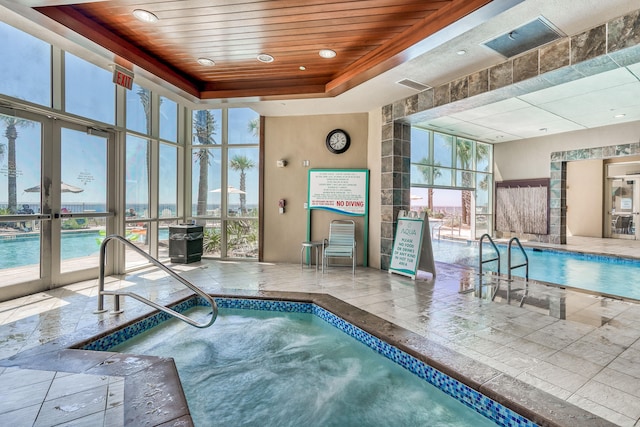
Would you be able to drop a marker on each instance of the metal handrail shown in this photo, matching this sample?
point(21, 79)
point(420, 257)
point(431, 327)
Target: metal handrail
point(482, 261)
point(433, 228)
point(117, 294)
point(511, 267)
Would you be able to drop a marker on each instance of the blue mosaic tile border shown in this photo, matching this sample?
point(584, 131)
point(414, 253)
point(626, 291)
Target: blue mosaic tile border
point(489, 408)
point(118, 337)
point(267, 305)
point(494, 411)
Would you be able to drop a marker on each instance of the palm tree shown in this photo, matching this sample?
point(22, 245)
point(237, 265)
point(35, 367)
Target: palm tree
point(204, 127)
point(242, 163)
point(464, 152)
point(145, 100)
point(254, 126)
point(11, 133)
point(425, 171)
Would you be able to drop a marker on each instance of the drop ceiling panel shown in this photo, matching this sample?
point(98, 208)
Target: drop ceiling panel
point(597, 119)
point(472, 130)
point(524, 122)
point(605, 80)
point(546, 127)
point(499, 107)
point(442, 122)
point(605, 102)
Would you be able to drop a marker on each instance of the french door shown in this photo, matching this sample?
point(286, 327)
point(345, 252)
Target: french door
point(624, 208)
point(55, 201)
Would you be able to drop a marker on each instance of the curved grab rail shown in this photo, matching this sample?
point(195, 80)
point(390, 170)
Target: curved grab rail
point(117, 294)
point(482, 261)
point(525, 264)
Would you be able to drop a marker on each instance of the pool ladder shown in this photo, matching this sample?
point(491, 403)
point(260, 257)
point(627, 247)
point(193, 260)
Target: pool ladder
point(118, 294)
point(510, 267)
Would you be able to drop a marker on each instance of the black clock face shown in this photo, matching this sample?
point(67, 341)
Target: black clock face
point(338, 141)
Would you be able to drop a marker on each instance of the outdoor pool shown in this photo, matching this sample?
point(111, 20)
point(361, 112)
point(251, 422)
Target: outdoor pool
point(602, 274)
point(24, 249)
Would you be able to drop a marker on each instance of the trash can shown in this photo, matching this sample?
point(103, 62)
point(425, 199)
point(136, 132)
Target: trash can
point(185, 243)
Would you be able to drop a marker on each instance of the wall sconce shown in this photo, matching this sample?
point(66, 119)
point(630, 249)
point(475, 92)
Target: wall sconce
point(281, 163)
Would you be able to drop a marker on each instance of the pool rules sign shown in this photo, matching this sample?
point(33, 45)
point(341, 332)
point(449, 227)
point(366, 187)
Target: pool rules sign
point(412, 246)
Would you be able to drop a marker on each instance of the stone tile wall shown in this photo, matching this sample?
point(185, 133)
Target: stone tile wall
point(606, 47)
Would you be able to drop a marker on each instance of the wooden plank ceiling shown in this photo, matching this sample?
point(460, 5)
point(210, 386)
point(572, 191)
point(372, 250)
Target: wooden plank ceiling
point(368, 36)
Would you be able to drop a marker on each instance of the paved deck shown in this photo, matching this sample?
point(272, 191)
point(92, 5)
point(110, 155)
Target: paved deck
point(562, 346)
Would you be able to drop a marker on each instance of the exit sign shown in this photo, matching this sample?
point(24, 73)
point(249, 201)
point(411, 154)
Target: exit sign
point(123, 77)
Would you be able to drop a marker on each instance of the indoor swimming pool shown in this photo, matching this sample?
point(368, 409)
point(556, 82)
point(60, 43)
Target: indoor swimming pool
point(607, 275)
point(319, 369)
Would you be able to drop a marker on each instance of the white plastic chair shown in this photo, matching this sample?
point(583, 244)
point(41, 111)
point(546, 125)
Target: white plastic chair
point(341, 242)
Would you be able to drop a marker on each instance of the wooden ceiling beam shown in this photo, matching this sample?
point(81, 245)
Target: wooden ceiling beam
point(77, 22)
point(403, 47)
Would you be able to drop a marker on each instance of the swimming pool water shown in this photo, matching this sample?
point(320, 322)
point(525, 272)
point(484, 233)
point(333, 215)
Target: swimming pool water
point(256, 367)
point(25, 249)
point(22, 250)
point(602, 274)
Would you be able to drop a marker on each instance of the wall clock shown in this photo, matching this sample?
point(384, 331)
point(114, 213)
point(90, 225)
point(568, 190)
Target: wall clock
point(338, 141)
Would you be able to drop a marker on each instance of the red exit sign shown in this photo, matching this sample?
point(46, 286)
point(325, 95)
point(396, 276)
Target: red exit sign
point(123, 77)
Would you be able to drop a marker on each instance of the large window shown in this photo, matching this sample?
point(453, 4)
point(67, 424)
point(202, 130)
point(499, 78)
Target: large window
point(89, 90)
point(139, 110)
point(168, 181)
point(168, 119)
point(137, 176)
point(25, 66)
point(225, 159)
point(453, 165)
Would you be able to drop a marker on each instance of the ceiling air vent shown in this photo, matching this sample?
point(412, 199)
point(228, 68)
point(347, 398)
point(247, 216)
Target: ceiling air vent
point(529, 36)
point(413, 84)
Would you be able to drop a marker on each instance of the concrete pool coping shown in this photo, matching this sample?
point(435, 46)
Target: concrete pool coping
point(154, 395)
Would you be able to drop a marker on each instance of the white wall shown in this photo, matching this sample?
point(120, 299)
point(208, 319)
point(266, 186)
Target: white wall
point(530, 158)
point(585, 184)
point(295, 139)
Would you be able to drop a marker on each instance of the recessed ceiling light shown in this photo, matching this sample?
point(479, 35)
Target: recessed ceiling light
point(461, 52)
point(145, 16)
point(302, 68)
point(206, 62)
point(619, 116)
point(327, 53)
point(264, 57)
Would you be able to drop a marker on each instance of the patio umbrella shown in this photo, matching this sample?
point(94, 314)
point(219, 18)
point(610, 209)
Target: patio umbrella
point(230, 190)
point(65, 188)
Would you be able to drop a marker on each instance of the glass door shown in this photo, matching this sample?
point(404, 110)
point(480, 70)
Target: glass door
point(21, 215)
point(82, 215)
point(623, 209)
point(54, 201)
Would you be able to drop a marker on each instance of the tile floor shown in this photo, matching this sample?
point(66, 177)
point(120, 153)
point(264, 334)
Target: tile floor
point(580, 348)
